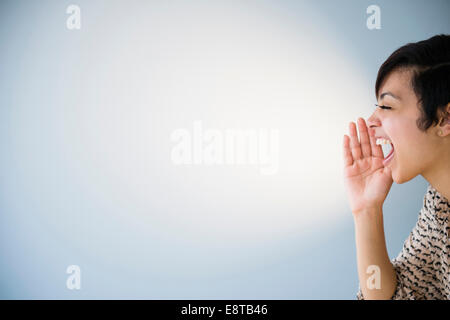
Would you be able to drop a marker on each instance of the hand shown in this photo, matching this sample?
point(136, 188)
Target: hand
point(366, 179)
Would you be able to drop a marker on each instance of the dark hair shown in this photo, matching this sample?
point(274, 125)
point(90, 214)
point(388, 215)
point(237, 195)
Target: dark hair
point(430, 62)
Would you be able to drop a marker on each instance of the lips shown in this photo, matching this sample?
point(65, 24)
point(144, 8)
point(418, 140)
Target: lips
point(389, 157)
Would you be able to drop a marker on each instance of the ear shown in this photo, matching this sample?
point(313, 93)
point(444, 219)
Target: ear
point(444, 127)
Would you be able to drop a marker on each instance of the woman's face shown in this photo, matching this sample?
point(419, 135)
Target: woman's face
point(415, 151)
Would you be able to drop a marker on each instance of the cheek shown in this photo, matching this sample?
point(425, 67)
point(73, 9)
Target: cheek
point(406, 136)
point(414, 150)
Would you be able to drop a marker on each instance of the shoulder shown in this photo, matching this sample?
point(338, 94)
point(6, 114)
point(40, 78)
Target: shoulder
point(436, 208)
point(433, 227)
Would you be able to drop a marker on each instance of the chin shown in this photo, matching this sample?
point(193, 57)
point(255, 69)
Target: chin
point(400, 177)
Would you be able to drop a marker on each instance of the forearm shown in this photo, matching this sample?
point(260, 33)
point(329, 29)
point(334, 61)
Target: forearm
point(371, 250)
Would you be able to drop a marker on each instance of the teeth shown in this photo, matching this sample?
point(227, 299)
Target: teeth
point(381, 141)
point(386, 146)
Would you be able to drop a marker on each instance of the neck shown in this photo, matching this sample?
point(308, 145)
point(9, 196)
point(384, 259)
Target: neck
point(439, 175)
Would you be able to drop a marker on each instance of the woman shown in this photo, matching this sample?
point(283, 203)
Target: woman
point(413, 116)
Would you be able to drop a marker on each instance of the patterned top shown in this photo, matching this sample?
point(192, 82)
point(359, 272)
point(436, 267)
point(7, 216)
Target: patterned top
point(422, 267)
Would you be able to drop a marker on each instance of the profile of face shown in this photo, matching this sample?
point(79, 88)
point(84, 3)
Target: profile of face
point(415, 151)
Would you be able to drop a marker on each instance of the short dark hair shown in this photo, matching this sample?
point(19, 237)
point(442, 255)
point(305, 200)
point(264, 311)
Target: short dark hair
point(430, 62)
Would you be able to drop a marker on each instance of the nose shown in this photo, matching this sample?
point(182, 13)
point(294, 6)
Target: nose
point(373, 121)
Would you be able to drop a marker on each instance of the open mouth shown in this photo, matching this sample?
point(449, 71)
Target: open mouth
point(388, 149)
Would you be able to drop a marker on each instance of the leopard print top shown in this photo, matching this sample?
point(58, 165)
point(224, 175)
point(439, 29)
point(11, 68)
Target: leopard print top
point(422, 267)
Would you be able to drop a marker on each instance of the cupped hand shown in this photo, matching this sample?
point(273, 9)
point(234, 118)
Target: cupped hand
point(367, 180)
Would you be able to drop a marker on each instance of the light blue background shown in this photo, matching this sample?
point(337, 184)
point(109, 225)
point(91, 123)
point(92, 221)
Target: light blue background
point(64, 201)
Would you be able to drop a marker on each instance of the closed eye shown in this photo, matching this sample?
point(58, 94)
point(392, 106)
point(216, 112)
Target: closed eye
point(383, 107)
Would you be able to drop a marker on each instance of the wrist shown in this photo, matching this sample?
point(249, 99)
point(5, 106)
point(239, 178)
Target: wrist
point(369, 225)
point(368, 213)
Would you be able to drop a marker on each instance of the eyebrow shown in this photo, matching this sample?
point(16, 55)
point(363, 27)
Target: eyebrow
point(388, 93)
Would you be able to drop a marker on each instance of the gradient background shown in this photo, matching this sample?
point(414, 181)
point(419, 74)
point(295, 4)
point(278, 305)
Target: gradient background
point(86, 115)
